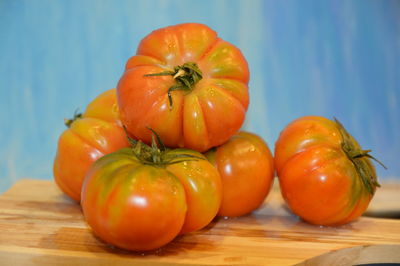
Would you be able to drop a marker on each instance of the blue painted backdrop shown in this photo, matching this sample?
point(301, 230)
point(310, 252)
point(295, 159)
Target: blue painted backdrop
point(330, 58)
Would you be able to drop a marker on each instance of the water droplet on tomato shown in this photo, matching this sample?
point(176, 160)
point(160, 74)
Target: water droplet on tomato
point(211, 91)
point(174, 190)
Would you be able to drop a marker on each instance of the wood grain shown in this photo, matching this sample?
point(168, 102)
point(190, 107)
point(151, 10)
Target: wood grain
point(357, 255)
point(40, 226)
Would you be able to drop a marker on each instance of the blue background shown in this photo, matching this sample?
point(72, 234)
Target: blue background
point(329, 58)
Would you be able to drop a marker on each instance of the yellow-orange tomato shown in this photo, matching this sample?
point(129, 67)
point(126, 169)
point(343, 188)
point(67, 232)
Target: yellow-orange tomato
point(246, 167)
point(325, 176)
point(90, 136)
point(187, 84)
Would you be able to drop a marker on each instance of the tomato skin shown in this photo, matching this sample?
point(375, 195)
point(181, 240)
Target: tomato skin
point(246, 167)
point(203, 187)
point(97, 133)
point(199, 119)
point(142, 207)
point(319, 179)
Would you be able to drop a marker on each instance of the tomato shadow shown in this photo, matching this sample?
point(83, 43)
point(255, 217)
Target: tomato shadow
point(83, 240)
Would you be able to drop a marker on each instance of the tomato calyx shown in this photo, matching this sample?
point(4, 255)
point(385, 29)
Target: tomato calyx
point(185, 76)
point(157, 154)
point(357, 156)
point(68, 122)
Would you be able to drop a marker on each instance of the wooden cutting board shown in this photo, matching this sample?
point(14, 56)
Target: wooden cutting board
point(41, 226)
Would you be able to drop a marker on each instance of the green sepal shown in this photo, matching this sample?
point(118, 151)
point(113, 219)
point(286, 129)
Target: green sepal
point(68, 122)
point(185, 76)
point(360, 159)
point(157, 154)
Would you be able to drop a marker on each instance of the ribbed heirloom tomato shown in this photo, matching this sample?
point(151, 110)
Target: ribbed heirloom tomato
point(141, 198)
point(89, 136)
point(246, 167)
point(187, 84)
point(325, 176)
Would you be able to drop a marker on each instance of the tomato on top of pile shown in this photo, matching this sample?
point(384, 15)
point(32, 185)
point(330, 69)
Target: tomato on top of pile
point(187, 84)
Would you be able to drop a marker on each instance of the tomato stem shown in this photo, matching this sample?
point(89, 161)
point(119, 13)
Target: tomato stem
point(359, 158)
point(68, 122)
point(366, 154)
point(157, 154)
point(185, 76)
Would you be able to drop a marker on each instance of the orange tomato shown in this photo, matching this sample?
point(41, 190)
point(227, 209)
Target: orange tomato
point(325, 176)
point(246, 167)
point(187, 84)
point(142, 199)
point(89, 136)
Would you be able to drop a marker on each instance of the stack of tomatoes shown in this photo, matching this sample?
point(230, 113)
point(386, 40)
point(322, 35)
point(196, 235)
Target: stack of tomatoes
point(162, 154)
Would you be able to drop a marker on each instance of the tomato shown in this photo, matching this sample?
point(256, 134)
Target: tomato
point(89, 136)
point(246, 167)
point(325, 176)
point(187, 84)
point(141, 199)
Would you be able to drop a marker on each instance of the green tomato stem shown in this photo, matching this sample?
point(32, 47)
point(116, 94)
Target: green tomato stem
point(185, 76)
point(68, 122)
point(360, 159)
point(157, 154)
